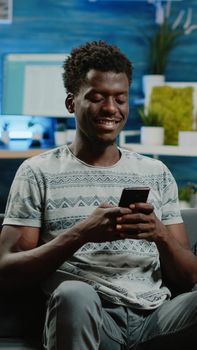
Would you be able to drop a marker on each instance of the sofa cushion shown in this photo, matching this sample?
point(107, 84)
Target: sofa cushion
point(22, 314)
point(20, 344)
point(189, 216)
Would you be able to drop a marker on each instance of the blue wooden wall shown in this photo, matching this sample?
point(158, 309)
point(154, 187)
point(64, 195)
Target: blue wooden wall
point(56, 26)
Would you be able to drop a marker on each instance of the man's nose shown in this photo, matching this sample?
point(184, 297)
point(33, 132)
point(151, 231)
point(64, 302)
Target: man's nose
point(109, 105)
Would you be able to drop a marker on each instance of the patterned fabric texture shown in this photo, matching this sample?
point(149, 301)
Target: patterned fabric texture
point(55, 190)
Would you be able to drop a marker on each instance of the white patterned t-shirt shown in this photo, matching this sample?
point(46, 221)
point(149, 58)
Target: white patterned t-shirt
point(55, 190)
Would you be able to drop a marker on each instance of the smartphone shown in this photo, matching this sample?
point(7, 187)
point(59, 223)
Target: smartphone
point(133, 195)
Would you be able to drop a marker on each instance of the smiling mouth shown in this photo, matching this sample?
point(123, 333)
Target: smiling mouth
point(107, 122)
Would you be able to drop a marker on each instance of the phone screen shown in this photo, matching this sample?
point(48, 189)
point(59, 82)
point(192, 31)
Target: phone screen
point(133, 195)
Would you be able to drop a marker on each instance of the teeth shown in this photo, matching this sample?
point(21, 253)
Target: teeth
point(106, 122)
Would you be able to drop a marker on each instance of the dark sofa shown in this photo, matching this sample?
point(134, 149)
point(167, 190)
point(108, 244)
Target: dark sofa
point(22, 318)
point(22, 315)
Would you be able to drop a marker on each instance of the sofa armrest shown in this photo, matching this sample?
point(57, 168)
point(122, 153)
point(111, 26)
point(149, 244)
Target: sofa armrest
point(189, 216)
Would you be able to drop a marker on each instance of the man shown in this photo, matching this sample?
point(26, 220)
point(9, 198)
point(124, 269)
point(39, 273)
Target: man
point(106, 269)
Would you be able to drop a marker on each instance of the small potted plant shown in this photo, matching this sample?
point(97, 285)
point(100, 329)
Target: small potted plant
point(193, 195)
point(5, 135)
point(37, 132)
point(152, 130)
point(60, 134)
point(184, 196)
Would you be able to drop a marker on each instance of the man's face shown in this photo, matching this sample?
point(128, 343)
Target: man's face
point(101, 106)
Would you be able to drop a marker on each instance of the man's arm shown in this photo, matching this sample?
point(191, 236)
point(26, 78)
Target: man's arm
point(178, 263)
point(23, 262)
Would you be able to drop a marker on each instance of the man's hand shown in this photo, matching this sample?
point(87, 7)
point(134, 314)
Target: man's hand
point(100, 226)
point(140, 223)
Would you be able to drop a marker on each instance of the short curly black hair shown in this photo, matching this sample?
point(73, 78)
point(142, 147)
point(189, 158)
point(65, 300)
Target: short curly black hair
point(93, 55)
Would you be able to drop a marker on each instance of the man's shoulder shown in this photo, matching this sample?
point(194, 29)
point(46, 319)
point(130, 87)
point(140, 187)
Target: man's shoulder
point(141, 159)
point(47, 159)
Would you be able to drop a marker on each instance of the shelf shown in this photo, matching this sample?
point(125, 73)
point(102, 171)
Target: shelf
point(161, 150)
point(155, 151)
point(6, 153)
point(136, 147)
point(22, 149)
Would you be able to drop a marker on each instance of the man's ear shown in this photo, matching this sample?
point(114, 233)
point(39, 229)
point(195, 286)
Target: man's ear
point(69, 103)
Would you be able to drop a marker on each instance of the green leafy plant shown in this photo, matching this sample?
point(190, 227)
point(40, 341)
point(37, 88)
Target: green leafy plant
point(60, 126)
point(175, 107)
point(184, 193)
point(35, 123)
point(5, 126)
point(150, 118)
point(160, 45)
point(166, 35)
point(188, 193)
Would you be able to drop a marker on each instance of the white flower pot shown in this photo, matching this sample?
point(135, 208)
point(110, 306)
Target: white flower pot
point(60, 138)
point(5, 136)
point(184, 204)
point(37, 135)
point(70, 135)
point(188, 138)
point(152, 135)
point(193, 200)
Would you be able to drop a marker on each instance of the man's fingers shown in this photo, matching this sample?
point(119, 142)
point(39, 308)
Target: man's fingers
point(106, 205)
point(114, 209)
point(145, 208)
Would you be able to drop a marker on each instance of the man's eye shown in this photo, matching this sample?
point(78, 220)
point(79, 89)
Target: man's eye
point(96, 98)
point(121, 100)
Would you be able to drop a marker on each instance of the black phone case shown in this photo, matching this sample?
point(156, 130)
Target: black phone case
point(133, 195)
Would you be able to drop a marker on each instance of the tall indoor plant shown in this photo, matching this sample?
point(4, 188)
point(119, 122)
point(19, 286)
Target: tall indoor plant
point(165, 37)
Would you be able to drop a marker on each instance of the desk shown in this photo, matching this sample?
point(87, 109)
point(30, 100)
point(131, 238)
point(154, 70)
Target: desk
point(21, 149)
point(8, 154)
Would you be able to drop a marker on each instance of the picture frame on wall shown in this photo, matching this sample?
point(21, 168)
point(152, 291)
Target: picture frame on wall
point(6, 7)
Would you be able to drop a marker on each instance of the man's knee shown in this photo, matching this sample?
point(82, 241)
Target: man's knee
point(187, 303)
point(75, 296)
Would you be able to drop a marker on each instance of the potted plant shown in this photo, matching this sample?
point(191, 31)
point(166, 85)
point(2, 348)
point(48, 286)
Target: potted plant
point(164, 39)
point(184, 196)
point(193, 195)
point(5, 135)
point(175, 106)
point(188, 195)
point(60, 134)
point(152, 131)
point(37, 132)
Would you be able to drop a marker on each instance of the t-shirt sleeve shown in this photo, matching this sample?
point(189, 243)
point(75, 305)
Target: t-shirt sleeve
point(171, 213)
point(24, 200)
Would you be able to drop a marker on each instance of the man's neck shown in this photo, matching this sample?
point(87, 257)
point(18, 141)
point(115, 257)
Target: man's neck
point(97, 156)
